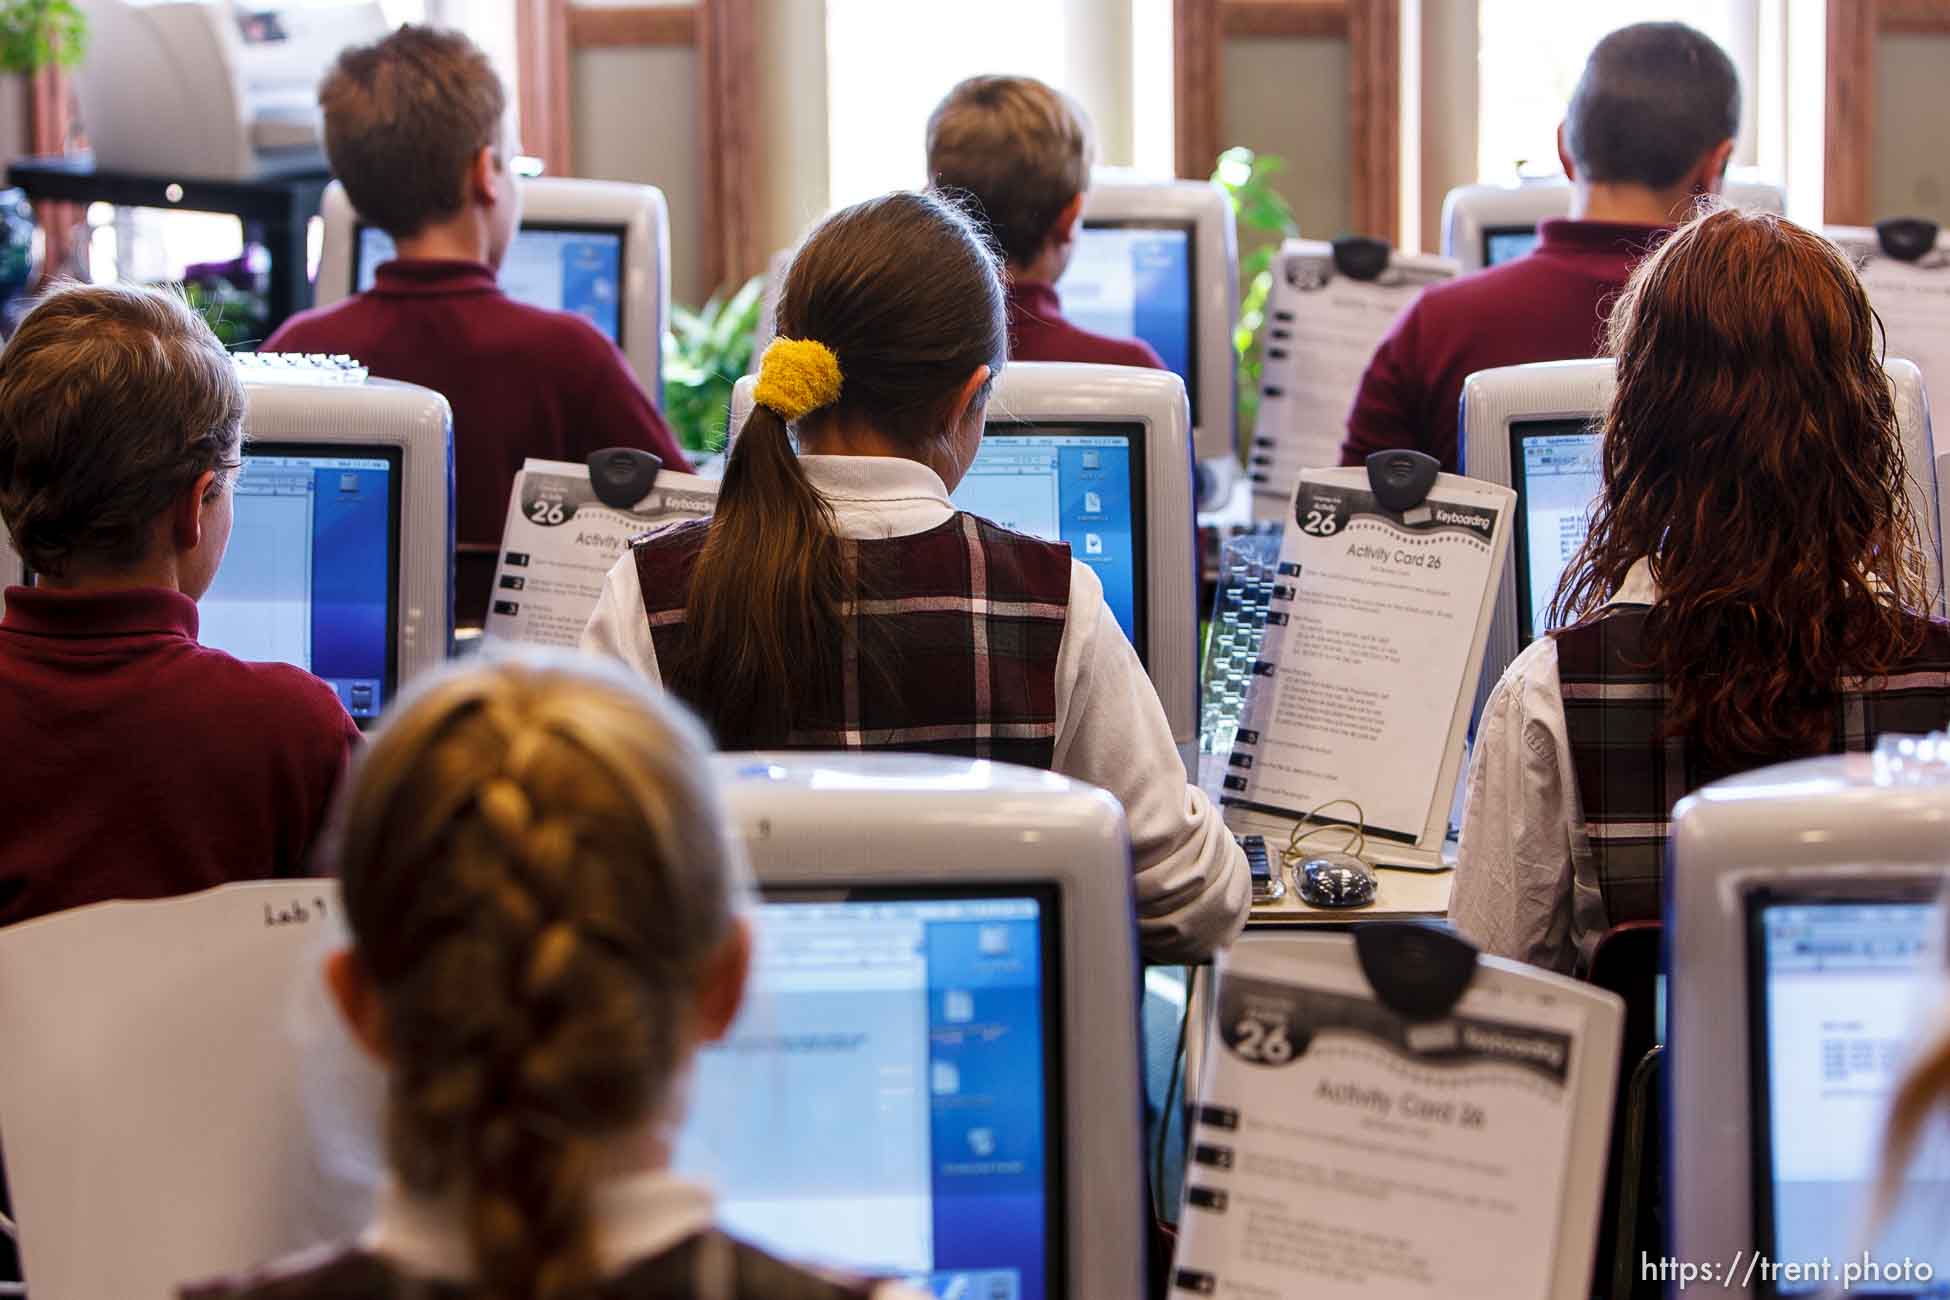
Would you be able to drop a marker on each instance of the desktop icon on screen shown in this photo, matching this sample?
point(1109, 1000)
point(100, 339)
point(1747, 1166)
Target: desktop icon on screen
point(1092, 504)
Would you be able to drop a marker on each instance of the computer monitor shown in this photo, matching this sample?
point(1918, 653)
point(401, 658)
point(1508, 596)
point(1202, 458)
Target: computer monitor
point(1159, 261)
point(1484, 225)
point(1800, 923)
point(1533, 428)
point(1097, 456)
point(936, 1073)
point(342, 543)
point(600, 249)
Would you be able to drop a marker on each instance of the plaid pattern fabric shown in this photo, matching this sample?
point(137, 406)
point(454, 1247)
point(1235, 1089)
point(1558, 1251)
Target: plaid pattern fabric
point(1629, 775)
point(968, 618)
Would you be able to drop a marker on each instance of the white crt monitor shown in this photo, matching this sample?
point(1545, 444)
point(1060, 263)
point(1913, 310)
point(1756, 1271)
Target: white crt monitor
point(1158, 260)
point(1532, 428)
point(1804, 963)
point(936, 1073)
point(1097, 456)
point(599, 249)
point(1485, 225)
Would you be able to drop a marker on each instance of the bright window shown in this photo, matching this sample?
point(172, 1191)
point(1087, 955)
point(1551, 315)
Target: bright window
point(889, 62)
point(1532, 51)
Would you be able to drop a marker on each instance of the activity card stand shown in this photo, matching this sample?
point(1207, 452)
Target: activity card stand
point(567, 526)
point(1904, 264)
point(1361, 694)
point(1329, 306)
point(1385, 1115)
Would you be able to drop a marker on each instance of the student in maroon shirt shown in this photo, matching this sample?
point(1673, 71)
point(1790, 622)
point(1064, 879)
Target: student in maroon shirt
point(1648, 133)
point(139, 763)
point(1022, 152)
point(414, 130)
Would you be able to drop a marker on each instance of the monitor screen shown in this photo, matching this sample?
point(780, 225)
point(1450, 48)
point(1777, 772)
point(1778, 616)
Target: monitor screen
point(1557, 468)
point(889, 1098)
point(310, 576)
point(1503, 243)
point(1837, 991)
point(1081, 484)
point(1134, 279)
point(562, 268)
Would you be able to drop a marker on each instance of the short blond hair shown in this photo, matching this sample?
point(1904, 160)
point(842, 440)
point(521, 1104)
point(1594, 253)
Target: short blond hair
point(114, 399)
point(1020, 149)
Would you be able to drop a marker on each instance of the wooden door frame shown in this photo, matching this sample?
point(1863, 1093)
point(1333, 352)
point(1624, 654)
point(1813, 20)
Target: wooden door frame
point(1372, 30)
point(724, 34)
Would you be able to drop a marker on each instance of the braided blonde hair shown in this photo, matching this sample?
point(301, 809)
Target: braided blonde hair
point(535, 877)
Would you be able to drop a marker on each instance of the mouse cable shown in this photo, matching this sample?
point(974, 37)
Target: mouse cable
point(1357, 832)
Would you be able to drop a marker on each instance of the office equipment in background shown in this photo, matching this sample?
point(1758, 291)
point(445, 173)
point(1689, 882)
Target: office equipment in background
point(155, 1097)
point(1098, 457)
point(943, 1018)
point(1468, 1096)
point(211, 91)
point(1329, 307)
point(1532, 428)
point(1484, 225)
point(1804, 962)
point(599, 249)
point(342, 545)
point(1905, 268)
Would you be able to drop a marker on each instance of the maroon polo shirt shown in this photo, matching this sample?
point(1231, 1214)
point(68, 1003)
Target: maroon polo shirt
point(1548, 305)
point(141, 764)
point(1038, 332)
point(522, 381)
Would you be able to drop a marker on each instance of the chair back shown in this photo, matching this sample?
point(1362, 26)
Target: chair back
point(161, 1089)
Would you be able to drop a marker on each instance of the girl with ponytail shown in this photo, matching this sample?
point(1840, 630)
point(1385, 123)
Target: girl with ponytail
point(838, 600)
point(546, 927)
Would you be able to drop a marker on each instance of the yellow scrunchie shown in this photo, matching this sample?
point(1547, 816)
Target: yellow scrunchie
point(797, 377)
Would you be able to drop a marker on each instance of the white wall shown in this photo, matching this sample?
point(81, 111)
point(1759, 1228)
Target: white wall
point(634, 118)
point(1289, 97)
point(793, 183)
point(1910, 173)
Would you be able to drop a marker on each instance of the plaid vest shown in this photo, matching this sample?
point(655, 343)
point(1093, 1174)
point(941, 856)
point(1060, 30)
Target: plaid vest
point(709, 1266)
point(1629, 775)
point(968, 616)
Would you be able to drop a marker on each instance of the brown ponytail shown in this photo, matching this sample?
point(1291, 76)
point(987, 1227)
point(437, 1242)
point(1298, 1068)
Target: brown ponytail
point(907, 293)
point(535, 878)
point(1924, 1089)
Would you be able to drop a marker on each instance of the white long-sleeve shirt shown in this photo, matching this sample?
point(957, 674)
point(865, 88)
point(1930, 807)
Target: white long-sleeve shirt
point(1192, 885)
point(1526, 886)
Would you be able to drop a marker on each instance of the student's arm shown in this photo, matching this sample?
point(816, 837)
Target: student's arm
point(1192, 885)
point(1390, 406)
point(1515, 865)
point(618, 413)
point(620, 628)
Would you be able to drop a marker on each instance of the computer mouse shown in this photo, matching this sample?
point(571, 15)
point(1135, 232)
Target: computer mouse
point(1335, 880)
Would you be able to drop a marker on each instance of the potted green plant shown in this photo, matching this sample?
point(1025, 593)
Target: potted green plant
point(1262, 211)
point(37, 34)
point(706, 351)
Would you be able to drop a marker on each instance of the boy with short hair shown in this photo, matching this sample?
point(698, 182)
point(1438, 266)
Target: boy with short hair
point(1648, 133)
point(1022, 151)
point(415, 130)
point(141, 764)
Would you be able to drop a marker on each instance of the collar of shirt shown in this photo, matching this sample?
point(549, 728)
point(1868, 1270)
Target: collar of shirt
point(1639, 587)
point(136, 611)
point(431, 277)
point(1036, 299)
point(1602, 238)
point(636, 1217)
point(879, 496)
